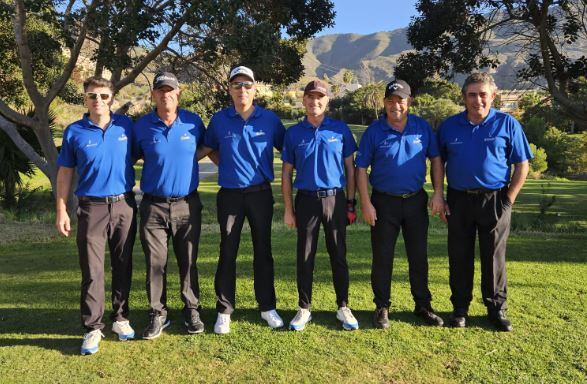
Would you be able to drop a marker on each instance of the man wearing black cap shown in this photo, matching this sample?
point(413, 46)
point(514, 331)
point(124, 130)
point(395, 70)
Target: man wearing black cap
point(244, 135)
point(321, 151)
point(396, 147)
point(169, 141)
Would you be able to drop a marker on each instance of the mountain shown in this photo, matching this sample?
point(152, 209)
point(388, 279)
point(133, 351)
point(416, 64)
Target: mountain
point(372, 57)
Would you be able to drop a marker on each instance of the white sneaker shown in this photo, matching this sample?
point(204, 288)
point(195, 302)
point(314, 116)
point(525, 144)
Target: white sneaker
point(272, 318)
point(345, 315)
point(222, 325)
point(300, 320)
point(123, 330)
point(91, 342)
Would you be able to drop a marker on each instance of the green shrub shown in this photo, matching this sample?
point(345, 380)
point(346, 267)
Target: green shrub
point(566, 153)
point(538, 164)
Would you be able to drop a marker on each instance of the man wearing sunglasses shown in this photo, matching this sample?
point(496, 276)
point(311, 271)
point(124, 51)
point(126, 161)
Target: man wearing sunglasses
point(98, 147)
point(244, 136)
point(169, 140)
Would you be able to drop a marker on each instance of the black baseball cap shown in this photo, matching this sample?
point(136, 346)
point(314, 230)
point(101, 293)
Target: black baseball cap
point(399, 88)
point(165, 79)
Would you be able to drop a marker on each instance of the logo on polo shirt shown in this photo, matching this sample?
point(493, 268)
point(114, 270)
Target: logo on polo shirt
point(417, 140)
point(231, 135)
point(386, 143)
point(155, 140)
point(489, 139)
point(456, 141)
point(303, 143)
point(333, 139)
point(122, 137)
point(184, 137)
point(259, 133)
point(91, 144)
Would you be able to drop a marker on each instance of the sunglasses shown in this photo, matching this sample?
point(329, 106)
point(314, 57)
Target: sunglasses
point(240, 84)
point(94, 96)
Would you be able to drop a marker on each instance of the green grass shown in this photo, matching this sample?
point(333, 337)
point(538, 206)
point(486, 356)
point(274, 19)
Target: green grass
point(40, 333)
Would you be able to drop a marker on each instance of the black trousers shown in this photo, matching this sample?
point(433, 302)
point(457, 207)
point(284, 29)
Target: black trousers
point(410, 216)
point(179, 221)
point(310, 212)
point(100, 223)
point(487, 214)
point(233, 206)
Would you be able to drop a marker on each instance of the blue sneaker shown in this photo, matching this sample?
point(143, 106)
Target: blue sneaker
point(303, 317)
point(349, 323)
point(91, 342)
point(123, 330)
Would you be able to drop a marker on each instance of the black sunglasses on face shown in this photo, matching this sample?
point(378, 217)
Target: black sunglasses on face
point(94, 95)
point(240, 84)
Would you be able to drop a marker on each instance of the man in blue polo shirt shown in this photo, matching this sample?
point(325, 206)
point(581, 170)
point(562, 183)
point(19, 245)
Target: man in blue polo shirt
point(98, 147)
point(169, 140)
point(321, 151)
point(396, 147)
point(479, 146)
point(244, 136)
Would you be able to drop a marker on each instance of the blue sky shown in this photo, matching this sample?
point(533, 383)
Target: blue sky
point(370, 16)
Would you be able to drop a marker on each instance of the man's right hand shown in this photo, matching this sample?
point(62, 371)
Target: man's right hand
point(289, 219)
point(62, 223)
point(369, 214)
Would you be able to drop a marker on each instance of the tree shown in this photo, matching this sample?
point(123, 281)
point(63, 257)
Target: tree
point(125, 37)
point(434, 110)
point(347, 76)
point(543, 30)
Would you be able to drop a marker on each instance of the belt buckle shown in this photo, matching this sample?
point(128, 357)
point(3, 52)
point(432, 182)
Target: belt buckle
point(111, 199)
point(406, 195)
point(322, 194)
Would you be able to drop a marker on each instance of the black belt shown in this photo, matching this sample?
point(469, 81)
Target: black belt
point(402, 196)
point(321, 193)
point(107, 199)
point(161, 199)
point(253, 188)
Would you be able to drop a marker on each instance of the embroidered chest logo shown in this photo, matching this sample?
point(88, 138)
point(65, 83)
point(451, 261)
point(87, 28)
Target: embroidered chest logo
point(303, 143)
point(417, 139)
point(489, 138)
point(185, 137)
point(91, 143)
point(333, 139)
point(122, 137)
point(456, 140)
point(259, 133)
point(230, 135)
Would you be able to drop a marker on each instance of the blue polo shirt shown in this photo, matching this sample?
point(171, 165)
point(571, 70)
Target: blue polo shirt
point(102, 158)
point(245, 147)
point(480, 156)
point(318, 154)
point(397, 159)
point(170, 166)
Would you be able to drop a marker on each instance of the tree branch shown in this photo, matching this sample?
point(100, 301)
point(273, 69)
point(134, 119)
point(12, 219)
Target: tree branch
point(74, 55)
point(15, 117)
point(152, 55)
point(24, 52)
point(12, 132)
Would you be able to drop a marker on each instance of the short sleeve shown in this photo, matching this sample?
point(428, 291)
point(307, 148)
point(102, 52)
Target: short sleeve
point(67, 154)
point(211, 137)
point(279, 134)
point(365, 153)
point(520, 148)
point(432, 150)
point(287, 152)
point(349, 144)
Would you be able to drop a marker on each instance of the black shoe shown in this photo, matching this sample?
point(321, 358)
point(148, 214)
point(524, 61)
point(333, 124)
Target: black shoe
point(428, 315)
point(500, 321)
point(380, 318)
point(457, 321)
point(194, 324)
point(157, 324)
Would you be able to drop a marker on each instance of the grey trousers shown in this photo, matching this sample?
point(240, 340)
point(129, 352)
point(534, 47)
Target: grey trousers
point(179, 221)
point(100, 223)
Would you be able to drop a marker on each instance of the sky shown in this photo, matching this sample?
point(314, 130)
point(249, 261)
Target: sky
point(370, 16)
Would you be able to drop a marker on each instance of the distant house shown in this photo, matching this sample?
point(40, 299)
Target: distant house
point(510, 98)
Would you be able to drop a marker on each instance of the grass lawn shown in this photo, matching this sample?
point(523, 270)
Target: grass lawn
point(40, 333)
